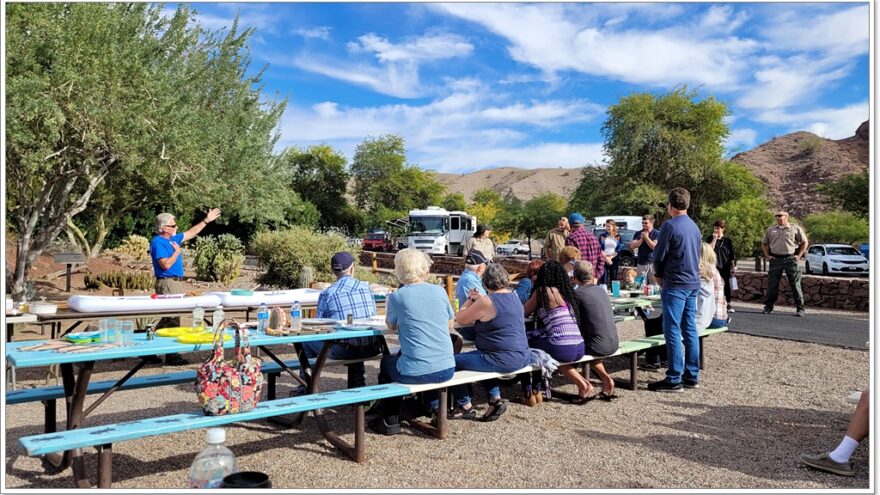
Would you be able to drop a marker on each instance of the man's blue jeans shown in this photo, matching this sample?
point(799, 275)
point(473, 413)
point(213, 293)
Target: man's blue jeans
point(342, 351)
point(679, 324)
point(388, 373)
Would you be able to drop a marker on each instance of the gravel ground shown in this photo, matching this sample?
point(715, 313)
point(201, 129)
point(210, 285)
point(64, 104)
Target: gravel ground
point(762, 402)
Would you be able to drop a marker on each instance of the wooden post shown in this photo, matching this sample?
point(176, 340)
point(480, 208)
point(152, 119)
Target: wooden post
point(69, 259)
point(449, 287)
point(375, 263)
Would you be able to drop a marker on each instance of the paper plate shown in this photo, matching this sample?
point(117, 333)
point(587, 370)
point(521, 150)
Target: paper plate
point(318, 321)
point(177, 331)
point(83, 337)
point(200, 338)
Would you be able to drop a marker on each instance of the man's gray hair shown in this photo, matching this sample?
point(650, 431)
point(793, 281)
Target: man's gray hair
point(495, 277)
point(583, 271)
point(473, 268)
point(163, 219)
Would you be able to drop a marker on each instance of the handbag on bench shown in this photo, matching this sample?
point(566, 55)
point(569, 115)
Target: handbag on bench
point(229, 387)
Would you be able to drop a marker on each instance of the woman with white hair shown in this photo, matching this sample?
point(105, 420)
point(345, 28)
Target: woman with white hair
point(711, 303)
point(421, 315)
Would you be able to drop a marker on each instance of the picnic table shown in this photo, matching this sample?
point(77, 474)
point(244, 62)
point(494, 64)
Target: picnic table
point(76, 381)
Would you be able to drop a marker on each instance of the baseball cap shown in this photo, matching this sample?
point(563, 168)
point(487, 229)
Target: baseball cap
point(341, 260)
point(475, 257)
point(576, 218)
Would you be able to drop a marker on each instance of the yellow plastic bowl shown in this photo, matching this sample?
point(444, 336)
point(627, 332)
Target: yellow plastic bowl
point(200, 338)
point(178, 331)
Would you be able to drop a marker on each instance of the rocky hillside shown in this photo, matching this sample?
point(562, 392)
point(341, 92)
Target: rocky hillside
point(522, 183)
point(793, 165)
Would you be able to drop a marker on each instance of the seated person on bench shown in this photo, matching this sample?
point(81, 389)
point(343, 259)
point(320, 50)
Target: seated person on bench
point(499, 335)
point(711, 304)
point(422, 316)
point(596, 322)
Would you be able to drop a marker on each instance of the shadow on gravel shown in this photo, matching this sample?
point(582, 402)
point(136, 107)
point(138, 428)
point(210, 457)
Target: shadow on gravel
point(758, 441)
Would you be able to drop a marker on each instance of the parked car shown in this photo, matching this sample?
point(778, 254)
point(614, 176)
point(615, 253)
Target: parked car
point(512, 246)
point(835, 258)
point(378, 241)
point(627, 257)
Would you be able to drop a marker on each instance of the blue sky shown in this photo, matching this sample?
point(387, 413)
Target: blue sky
point(482, 85)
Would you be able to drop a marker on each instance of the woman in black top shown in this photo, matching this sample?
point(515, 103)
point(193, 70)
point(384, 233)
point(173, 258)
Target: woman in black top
point(723, 247)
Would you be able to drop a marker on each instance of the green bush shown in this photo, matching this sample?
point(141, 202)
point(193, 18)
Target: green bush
point(134, 247)
point(218, 258)
point(809, 145)
point(836, 227)
point(747, 220)
point(284, 253)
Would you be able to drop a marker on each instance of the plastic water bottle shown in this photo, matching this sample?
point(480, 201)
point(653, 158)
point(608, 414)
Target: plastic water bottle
point(218, 316)
point(296, 319)
point(262, 318)
point(198, 316)
point(213, 463)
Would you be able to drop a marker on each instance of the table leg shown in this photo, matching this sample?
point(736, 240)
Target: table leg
point(355, 452)
point(75, 395)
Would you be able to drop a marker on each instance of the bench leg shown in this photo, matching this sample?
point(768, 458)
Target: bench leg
point(359, 434)
point(439, 429)
point(633, 370)
point(270, 395)
point(50, 419)
point(105, 465)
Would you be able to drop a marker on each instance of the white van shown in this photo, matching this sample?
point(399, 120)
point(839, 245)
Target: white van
point(628, 222)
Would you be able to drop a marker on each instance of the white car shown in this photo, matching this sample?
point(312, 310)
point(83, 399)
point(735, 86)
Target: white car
point(512, 246)
point(835, 258)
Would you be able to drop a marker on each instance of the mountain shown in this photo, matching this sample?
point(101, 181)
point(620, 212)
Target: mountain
point(522, 183)
point(791, 166)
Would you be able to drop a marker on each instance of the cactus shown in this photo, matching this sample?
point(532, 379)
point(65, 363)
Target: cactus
point(306, 277)
point(120, 280)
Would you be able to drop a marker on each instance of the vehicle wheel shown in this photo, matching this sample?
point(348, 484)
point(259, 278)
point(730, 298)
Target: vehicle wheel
point(824, 268)
point(807, 268)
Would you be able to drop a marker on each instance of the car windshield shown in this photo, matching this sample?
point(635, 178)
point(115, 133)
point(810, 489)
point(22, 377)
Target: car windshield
point(846, 251)
point(376, 237)
point(427, 225)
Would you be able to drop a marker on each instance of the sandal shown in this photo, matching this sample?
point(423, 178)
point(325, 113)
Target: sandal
point(496, 409)
point(606, 397)
point(459, 412)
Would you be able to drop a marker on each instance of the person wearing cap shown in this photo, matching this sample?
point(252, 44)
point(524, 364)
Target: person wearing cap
point(481, 242)
point(470, 283)
point(556, 239)
point(783, 245)
point(587, 244)
point(347, 296)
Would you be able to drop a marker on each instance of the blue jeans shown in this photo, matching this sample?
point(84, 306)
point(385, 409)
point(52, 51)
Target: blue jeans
point(476, 361)
point(343, 351)
point(679, 324)
point(388, 373)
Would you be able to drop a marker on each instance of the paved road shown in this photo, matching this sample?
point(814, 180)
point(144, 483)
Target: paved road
point(848, 330)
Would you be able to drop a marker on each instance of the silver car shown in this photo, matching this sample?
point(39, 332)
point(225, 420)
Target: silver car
point(835, 259)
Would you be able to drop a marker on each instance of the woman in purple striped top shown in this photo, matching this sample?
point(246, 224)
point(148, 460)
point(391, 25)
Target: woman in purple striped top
point(556, 327)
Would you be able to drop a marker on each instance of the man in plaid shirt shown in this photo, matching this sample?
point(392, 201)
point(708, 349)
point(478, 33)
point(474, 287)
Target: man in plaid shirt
point(347, 296)
point(587, 244)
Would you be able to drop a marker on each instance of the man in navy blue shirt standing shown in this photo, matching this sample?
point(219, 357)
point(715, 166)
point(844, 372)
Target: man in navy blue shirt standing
point(677, 270)
point(168, 264)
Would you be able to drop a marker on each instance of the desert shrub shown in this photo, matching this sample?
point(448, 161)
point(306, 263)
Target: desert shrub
point(284, 253)
point(134, 247)
point(218, 258)
point(809, 145)
point(836, 227)
point(120, 280)
point(367, 275)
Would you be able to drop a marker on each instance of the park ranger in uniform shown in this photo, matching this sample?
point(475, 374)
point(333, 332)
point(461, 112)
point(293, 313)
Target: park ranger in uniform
point(783, 245)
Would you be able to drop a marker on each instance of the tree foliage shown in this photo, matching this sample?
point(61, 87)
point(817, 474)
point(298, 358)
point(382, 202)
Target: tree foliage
point(119, 109)
point(454, 202)
point(836, 227)
point(747, 220)
point(532, 218)
point(319, 176)
point(851, 193)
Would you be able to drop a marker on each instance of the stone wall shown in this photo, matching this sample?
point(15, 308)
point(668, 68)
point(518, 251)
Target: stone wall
point(823, 292)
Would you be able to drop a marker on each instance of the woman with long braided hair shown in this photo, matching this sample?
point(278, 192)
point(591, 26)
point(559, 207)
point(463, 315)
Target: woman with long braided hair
point(556, 332)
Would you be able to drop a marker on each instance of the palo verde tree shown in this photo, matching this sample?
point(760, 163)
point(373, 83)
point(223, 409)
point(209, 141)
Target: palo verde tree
point(115, 108)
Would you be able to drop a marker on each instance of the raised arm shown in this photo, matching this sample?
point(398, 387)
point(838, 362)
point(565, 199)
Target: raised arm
point(195, 229)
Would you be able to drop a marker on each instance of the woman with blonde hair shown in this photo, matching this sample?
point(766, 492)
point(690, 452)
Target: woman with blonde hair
point(711, 304)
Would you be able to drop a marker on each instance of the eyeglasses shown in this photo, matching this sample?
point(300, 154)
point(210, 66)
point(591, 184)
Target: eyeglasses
point(172, 226)
point(778, 216)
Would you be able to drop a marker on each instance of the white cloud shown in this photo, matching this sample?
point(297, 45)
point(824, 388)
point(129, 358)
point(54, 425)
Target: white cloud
point(430, 47)
point(782, 83)
point(843, 33)
point(741, 137)
point(318, 32)
point(832, 123)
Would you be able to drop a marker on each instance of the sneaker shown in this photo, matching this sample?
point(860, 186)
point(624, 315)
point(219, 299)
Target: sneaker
point(730, 310)
point(175, 360)
point(824, 463)
point(650, 367)
point(800, 313)
point(459, 412)
point(665, 386)
point(690, 383)
point(767, 311)
point(496, 409)
point(379, 426)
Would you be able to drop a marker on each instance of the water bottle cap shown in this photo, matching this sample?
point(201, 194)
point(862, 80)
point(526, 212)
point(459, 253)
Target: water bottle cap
point(219, 306)
point(216, 435)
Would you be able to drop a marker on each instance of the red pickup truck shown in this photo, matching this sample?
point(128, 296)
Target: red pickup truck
point(378, 241)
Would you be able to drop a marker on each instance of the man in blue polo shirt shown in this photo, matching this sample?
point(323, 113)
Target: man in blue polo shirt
point(677, 270)
point(168, 263)
point(471, 279)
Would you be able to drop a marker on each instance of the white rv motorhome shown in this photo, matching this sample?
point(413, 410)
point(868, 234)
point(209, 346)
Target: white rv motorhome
point(623, 222)
point(438, 231)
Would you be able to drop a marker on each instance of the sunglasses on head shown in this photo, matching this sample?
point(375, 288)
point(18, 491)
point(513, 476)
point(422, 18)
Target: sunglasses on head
point(172, 226)
point(777, 216)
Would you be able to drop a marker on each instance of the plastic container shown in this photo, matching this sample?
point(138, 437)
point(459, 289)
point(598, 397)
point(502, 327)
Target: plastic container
point(263, 318)
point(218, 316)
point(296, 321)
point(247, 479)
point(213, 463)
point(198, 316)
point(615, 288)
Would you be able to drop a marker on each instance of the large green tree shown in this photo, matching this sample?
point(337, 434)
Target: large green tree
point(532, 218)
point(117, 104)
point(318, 175)
point(850, 192)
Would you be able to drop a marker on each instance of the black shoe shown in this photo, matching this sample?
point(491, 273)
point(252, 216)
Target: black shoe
point(459, 412)
point(767, 311)
point(800, 313)
point(379, 426)
point(665, 386)
point(650, 367)
point(496, 409)
point(690, 383)
point(152, 359)
point(175, 360)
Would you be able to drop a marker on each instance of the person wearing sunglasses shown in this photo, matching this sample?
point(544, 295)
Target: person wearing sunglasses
point(168, 264)
point(783, 245)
